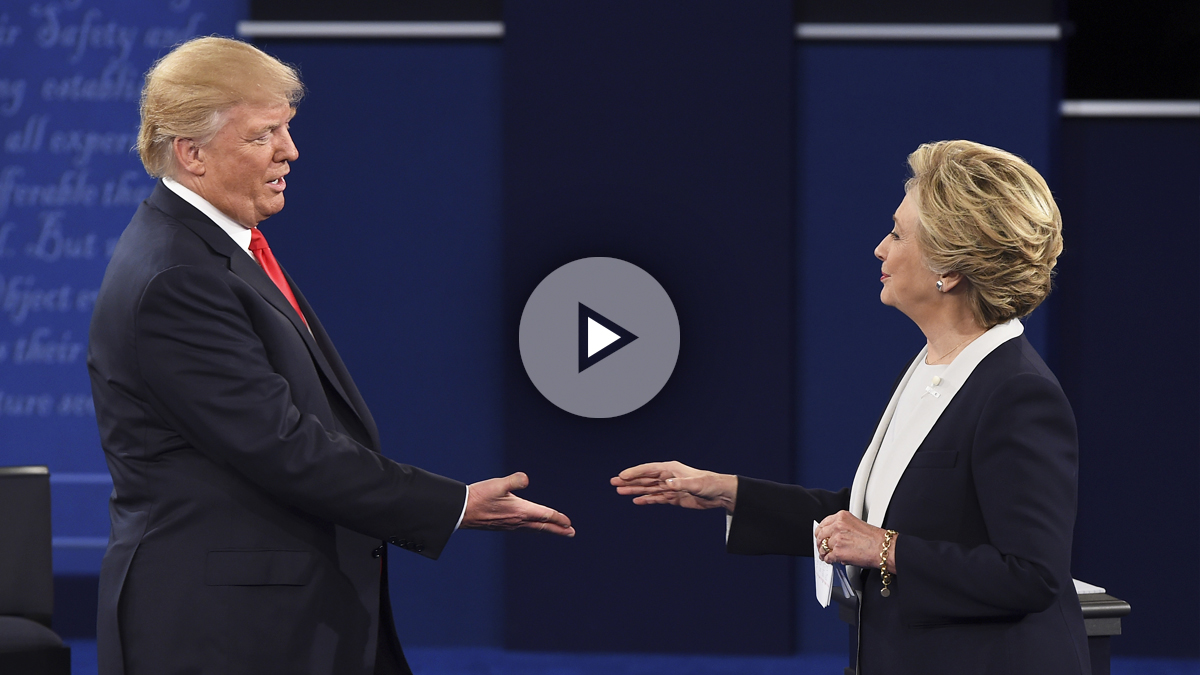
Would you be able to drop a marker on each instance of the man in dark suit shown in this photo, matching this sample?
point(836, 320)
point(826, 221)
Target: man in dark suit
point(251, 501)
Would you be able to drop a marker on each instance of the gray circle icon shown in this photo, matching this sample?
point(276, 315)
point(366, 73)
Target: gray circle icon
point(599, 337)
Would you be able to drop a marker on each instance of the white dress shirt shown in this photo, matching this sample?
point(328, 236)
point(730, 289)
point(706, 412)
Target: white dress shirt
point(239, 233)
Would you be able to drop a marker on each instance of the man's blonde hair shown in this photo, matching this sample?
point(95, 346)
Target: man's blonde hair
point(988, 215)
point(188, 92)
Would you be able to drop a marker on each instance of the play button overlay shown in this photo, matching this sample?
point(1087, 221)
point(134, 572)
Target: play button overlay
point(599, 337)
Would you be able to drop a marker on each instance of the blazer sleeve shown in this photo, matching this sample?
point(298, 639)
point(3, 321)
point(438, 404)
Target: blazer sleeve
point(773, 518)
point(210, 377)
point(1024, 468)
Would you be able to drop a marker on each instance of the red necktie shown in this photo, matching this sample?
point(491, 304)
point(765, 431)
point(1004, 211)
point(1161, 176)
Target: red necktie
point(262, 253)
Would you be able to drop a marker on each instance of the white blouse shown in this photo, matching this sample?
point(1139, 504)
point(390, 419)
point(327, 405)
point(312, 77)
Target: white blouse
point(921, 391)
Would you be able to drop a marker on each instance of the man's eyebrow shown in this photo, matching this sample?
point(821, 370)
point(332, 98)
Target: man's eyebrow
point(265, 129)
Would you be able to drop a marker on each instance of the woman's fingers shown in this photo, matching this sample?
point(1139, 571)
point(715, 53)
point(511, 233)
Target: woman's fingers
point(653, 471)
point(850, 540)
point(643, 489)
point(659, 498)
point(632, 480)
point(678, 484)
point(650, 470)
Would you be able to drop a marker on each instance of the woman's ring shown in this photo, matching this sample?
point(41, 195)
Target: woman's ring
point(825, 545)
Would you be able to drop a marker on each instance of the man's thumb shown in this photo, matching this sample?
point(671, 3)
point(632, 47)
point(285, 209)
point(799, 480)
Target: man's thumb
point(517, 481)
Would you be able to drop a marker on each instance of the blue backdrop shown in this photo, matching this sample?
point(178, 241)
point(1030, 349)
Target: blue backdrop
point(672, 152)
point(70, 76)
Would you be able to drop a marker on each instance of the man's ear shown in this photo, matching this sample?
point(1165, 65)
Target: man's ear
point(188, 155)
point(949, 280)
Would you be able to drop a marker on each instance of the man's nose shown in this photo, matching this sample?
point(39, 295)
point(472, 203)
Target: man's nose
point(287, 151)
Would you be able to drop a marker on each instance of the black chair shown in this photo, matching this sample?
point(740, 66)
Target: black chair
point(27, 645)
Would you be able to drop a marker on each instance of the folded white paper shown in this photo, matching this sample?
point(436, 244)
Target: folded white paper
point(822, 571)
point(844, 581)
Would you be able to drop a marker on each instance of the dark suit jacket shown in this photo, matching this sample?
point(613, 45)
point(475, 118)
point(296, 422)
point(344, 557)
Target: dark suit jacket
point(250, 498)
point(985, 513)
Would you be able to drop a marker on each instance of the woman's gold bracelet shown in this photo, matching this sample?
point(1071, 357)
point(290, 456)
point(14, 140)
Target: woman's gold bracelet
point(883, 571)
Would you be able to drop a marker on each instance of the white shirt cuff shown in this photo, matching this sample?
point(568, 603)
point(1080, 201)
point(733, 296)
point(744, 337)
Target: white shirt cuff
point(464, 512)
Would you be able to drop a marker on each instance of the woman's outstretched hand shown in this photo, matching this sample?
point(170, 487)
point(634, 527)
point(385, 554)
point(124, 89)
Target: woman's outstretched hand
point(678, 484)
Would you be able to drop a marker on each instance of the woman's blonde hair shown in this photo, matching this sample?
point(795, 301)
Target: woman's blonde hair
point(188, 92)
point(988, 215)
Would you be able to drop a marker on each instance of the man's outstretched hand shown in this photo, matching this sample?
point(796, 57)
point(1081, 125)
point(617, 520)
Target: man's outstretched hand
point(491, 505)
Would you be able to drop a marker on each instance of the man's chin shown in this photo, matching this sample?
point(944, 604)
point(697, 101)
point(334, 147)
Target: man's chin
point(270, 209)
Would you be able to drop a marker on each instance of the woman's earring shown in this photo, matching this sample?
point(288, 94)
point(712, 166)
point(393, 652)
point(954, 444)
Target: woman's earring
point(939, 285)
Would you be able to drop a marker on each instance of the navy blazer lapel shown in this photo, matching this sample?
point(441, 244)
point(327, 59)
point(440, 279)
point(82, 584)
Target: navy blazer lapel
point(952, 380)
point(248, 270)
point(352, 395)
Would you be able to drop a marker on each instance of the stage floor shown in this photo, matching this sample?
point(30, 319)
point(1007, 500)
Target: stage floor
point(484, 661)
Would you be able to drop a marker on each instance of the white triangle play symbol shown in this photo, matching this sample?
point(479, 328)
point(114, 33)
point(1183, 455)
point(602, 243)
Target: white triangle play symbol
point(598, 337)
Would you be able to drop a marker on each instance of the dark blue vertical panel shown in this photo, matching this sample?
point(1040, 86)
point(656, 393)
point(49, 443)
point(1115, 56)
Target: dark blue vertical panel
point(1128, 325)
point(863, 108)
point(659, 133)
point(392, 229)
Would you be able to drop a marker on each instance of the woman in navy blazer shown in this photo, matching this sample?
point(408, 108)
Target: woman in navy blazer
point(967, 491)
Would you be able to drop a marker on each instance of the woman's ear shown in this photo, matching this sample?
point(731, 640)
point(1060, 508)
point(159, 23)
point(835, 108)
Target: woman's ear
point(948, 281)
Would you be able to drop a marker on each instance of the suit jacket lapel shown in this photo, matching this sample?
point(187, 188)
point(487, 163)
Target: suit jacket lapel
point(952, 382)
point(341, 380)
point(249, 271)
point(858, 490)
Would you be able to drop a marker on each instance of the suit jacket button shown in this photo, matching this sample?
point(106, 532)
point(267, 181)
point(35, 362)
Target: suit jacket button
point(377, 552)
point(419, 547)
point(394, 540)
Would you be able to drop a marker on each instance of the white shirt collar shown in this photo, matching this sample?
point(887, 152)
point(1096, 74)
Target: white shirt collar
point(236, 231)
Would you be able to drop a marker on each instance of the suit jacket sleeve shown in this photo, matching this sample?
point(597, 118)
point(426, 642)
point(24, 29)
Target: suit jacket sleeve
point(1024, 459)
point(212, 380)
point(776, 518)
